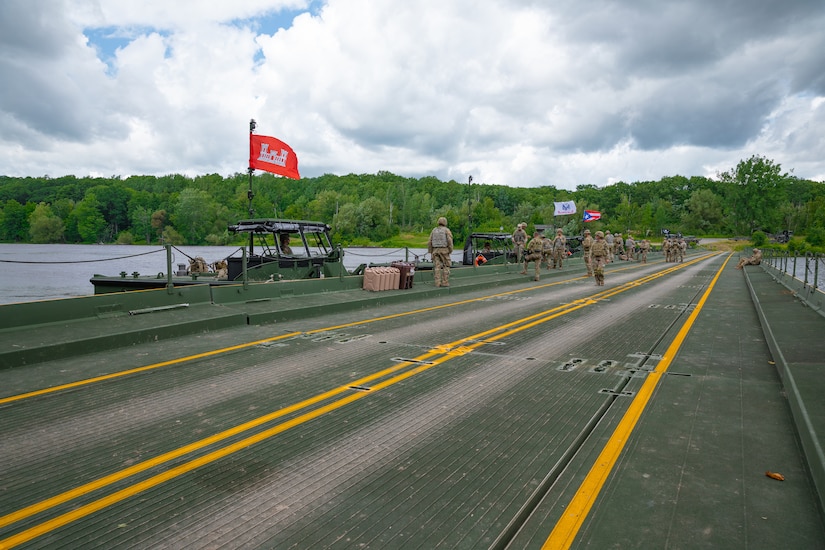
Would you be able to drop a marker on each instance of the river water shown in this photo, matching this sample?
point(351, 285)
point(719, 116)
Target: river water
point(31, 272)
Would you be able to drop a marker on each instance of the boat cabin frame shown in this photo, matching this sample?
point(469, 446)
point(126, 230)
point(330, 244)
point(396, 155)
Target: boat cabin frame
point(286, 249)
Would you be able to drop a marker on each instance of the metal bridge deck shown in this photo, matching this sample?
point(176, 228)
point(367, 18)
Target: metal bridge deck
point(644, 413)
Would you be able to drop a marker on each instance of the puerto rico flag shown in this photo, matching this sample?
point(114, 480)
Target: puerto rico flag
point(272, 155)
point(591, 216)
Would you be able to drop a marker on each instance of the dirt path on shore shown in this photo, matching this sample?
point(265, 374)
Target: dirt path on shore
point(725, 245)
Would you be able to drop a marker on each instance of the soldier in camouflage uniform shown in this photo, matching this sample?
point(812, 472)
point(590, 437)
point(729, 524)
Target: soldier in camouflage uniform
point(534, 254)
point(599, 253)
point(440, 246)
point(546, 249)
point(587, 243)
point(618, 246)
point(682, 244)
point(644, 248)
point(666, 249)
point(755, 259)
point(630, 247)
point(611, 245)
point(519, 240)
point(559, 249)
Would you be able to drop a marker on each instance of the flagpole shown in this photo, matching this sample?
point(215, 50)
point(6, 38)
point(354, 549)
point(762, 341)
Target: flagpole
point(249, 194)
point(469, 206)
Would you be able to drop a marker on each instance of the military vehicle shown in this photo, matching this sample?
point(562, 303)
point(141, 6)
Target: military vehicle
point(495, 248)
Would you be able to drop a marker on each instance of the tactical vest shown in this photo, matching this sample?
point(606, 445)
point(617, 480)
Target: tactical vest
point(439, 237)
point(546, 245)
point(599, 248)
point(559, 242)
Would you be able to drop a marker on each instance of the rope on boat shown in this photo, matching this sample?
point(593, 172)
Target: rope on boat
point(350, 253)
point(417, 256)
point(80, 261)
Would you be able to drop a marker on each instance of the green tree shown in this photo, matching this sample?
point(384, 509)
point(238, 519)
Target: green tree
point(171, 236)
point(486, 217)
point(14, 222)
point(324, 206)
point(195, 215)
point(113, 200)
point(628, 215)
point(160, 219)
point(142, 222)
point(91, 225)
point(345, 223)
point(297, 210)
point(420, 208)
point(703, 212)
point(525, 213)
point(663, 216)
point(373, 219)
point(756, 189)
point(45, 226)
point(62, 208)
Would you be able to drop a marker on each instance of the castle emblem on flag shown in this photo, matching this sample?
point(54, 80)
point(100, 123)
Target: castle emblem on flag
point(271, 157)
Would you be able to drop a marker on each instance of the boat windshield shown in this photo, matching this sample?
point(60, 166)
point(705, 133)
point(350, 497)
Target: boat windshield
point(287, 238)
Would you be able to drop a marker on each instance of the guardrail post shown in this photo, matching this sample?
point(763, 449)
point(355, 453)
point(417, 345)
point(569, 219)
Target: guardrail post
point(170, 287)
point(807, 255)
point(243, 264)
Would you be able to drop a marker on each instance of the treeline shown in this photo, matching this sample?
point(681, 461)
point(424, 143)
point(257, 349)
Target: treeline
point(375, 208)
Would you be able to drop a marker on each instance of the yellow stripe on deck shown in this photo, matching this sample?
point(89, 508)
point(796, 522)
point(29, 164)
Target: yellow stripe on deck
point(575, 513)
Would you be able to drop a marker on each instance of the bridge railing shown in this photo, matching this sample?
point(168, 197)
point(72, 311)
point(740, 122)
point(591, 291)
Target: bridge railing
point(803, 274)
point(809, 268)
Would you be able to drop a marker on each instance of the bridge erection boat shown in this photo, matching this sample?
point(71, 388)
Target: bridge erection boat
point(277, 250)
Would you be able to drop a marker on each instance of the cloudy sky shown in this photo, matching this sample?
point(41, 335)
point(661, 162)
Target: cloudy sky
point(514, 92)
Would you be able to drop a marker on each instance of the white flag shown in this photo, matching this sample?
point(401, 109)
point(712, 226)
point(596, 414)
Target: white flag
point(564, 208)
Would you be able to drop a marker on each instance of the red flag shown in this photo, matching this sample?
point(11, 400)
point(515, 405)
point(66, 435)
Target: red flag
point(273, 155)
point(591, 216)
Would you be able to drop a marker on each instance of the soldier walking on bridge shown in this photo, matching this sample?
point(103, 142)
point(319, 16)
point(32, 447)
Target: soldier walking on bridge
point(546, 250)
point(630, 247)
point(587, 243)
point(599, 252)
point(534, 254)
point(559, 249)
point(440, 246)
point(608, 239)
point(644, 248)
point(618, 246)
point(519, 240)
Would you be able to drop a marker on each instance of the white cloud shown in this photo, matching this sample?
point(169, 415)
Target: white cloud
point(513, 91)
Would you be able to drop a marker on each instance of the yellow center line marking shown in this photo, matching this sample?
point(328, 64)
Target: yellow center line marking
point(575, 513)
point(445, 351)
point(142, 369)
